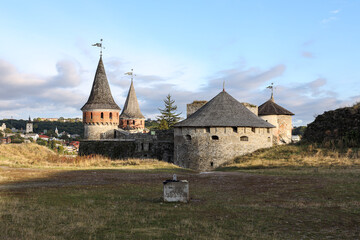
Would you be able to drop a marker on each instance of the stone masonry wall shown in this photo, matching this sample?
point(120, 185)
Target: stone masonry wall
point(207, 148)
point(193, 107)
point(282, 132)
point(253, 108)
point(99, 131)
point(158, 146)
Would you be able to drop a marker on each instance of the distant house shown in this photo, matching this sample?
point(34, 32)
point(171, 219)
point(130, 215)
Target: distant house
point(75, 144)
point(5, 140)
point(34, 136)
point(44, 137)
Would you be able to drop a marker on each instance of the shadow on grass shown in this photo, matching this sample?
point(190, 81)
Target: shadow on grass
point(34, 178)
point(254, 167)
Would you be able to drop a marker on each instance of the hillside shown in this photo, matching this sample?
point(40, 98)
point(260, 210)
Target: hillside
point(338, 128)
point(295, 155)
point(69, 127)
point(34, 155)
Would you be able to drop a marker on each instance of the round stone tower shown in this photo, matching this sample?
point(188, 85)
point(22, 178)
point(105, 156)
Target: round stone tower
point(131, 117)
point(280, 118)
point(100, 112)
point(218, 132)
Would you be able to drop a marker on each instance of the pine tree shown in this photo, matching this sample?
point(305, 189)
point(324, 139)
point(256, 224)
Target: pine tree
point(169, 112)
point(163, 125)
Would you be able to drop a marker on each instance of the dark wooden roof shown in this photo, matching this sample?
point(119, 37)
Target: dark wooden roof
point(271, 108)
point(100, 96)
point(223, 111)
point(131, 108)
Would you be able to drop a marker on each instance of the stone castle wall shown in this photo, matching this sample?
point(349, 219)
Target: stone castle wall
point(193, 107)
point(253, 108)
point(159, 146)
point(207, 148)
point(99, 131)
point(282, 132)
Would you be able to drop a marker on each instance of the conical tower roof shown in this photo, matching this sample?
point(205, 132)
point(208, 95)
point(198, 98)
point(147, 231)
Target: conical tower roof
point(100, 96)
point(131, 108)
point(271, 108)
point(223, 111)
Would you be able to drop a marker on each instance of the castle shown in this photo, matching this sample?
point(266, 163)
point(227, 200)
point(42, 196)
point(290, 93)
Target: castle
point(101, 114)
point(213, 133)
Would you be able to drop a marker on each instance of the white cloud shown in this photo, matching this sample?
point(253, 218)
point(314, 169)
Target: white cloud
point(21, 92)
point(335, 11)
point(306, 54)
point(328, 20)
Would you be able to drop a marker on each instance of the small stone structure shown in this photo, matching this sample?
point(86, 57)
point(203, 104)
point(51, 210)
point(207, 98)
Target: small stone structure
point(176, 190)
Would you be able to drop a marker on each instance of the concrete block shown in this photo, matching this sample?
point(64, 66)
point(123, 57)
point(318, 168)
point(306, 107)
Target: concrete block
point(176, 191)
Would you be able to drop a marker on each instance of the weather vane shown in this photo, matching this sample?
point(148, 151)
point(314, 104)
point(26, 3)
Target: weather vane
point(100, 46)
point(131, 73)
point(272, 89)
point(224, 86)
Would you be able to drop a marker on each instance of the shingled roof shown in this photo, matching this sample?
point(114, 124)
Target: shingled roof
point(223, 111)
point(271, 108)
point(131, 108)
point(100, 96)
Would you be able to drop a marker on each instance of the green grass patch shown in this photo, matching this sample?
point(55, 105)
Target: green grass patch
point(257, 204)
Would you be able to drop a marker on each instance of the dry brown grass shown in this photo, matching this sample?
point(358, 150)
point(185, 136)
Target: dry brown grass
point(297, 156)
point(33, 155)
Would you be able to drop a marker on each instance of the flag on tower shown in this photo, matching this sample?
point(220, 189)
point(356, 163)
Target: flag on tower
point(97, 45)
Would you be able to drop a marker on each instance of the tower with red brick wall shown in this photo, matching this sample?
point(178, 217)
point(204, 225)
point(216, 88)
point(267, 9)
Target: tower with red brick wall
point(100, 112)
point(131, 117)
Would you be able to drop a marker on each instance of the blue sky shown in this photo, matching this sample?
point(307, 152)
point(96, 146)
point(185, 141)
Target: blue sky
point(308, 49)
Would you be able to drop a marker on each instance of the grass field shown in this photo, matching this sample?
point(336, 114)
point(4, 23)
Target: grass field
point(81, 200)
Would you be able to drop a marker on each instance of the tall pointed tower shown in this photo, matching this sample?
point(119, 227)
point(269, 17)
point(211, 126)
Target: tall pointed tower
point(100, 112)
point(131, 116)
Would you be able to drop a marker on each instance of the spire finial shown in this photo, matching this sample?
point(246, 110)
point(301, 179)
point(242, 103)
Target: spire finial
point(224, 86)
point(100, 46)
point(272, 91)
point(131, 73)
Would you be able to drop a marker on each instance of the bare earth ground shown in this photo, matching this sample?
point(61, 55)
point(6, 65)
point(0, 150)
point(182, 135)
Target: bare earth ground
point(126, 204)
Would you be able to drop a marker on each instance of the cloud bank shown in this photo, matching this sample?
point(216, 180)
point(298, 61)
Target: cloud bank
point(23, 94)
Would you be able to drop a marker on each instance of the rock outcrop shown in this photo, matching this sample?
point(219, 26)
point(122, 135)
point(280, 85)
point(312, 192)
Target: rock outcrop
point(338, 128)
